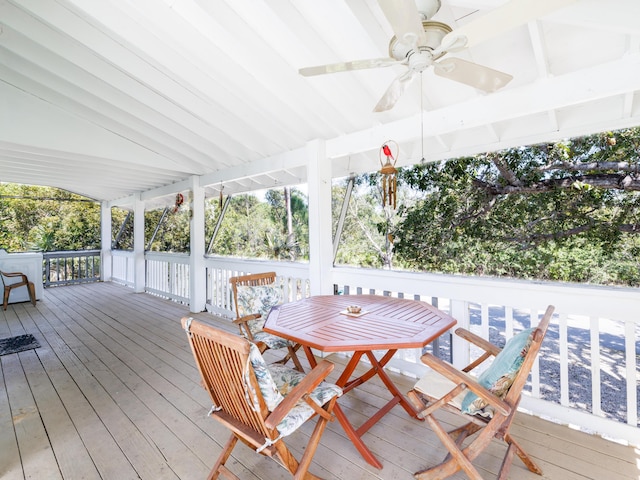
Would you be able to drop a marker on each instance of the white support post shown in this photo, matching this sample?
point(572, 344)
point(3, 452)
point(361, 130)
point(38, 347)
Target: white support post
point(320, 237)
point(139, 268)
point(197, 266)
point(106, 268)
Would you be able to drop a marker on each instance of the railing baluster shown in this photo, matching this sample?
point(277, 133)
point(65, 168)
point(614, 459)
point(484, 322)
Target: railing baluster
point(535, 369)
point(70, 267)
point(595, 366)
point(566, 350)
point(563, 339)
point(631, 369)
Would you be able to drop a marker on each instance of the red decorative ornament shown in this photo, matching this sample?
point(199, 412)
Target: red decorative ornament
point(389, 174)
point(179, 201)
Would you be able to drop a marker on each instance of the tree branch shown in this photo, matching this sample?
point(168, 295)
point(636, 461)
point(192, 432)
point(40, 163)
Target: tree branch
point(538, 237)
point(508, 174)
point(584, 167)
point(604, 181)
point(480, 213)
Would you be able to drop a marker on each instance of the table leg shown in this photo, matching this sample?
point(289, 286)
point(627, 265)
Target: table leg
point(339, 413)
point(377, 368)
point(310, 356)
point(400, 398)
point(355, 437)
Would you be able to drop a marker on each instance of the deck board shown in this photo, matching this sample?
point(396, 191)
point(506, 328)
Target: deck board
point(113, 393)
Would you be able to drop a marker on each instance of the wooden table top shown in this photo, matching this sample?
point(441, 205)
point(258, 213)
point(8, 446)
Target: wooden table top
point(321, 322)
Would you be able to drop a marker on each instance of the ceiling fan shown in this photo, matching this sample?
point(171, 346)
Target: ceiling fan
point(420, 42)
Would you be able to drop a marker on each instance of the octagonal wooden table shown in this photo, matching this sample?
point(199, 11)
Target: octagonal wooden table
point(384, 323)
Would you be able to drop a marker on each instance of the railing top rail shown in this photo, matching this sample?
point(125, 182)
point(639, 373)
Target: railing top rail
point(70, 253)
point(589, 300)
point(168, 256)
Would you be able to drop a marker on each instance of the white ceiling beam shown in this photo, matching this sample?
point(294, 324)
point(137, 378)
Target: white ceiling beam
point(119, 64)
point(63, 131)
point(224, 64)
point(97, 113)
point(615, 16)
point(275, 163)
point(628, 104)
point(615, 78)
point(541, 57)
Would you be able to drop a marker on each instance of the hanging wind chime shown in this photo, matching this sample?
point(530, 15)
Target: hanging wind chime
point(389, 174)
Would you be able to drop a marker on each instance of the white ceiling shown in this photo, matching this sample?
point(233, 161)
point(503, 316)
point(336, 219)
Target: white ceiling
point(107, 98)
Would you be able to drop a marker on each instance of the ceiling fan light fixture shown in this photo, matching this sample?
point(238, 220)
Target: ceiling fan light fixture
point(419, 61)
point(428, 8)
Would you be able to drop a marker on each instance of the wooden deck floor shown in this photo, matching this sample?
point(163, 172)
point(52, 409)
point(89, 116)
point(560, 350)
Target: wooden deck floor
point(113, 393)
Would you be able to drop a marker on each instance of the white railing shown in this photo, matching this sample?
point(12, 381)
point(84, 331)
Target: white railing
point(294, 276)
point(122, 267)
point(587, 373)
point(167, 275)
point(588, 368)
point(595, 388)
point(70, 267)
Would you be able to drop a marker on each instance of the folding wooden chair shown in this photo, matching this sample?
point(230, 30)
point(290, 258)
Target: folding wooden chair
point(10, 284)
point(253, 297)
point(260, 404)
point(488, 402)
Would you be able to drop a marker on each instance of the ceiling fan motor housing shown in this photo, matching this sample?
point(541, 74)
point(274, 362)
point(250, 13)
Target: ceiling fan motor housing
point(434, 32)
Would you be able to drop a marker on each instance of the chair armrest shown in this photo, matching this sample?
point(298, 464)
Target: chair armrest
point(478, 341)
point(246, 318)
point(15, 274)
point(306, 386)
point(453, 374)
point(243, 326)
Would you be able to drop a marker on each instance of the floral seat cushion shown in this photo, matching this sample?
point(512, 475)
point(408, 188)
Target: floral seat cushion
point(260, 299)
point(276, 381)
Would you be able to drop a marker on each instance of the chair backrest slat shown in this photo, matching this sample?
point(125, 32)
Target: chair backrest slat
point(222, 359)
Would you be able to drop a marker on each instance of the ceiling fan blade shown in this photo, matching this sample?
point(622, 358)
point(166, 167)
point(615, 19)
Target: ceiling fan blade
point(395, 91)
point(405, 21)
point(505, 17)
point(347, 66)
point(477, 76)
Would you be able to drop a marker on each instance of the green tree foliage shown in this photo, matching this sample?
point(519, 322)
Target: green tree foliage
point(568, 211)
point(252, 228)
point(365, 239)
point(121, 229)
point(46, 219)
point(289, 239)
point(171, 229)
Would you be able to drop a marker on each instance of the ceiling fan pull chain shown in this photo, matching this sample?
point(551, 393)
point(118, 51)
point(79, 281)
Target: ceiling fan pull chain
point(422, 118)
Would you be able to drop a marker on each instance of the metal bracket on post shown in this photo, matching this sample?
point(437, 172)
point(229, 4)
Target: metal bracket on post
point(218, 224)
point(343, 215)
